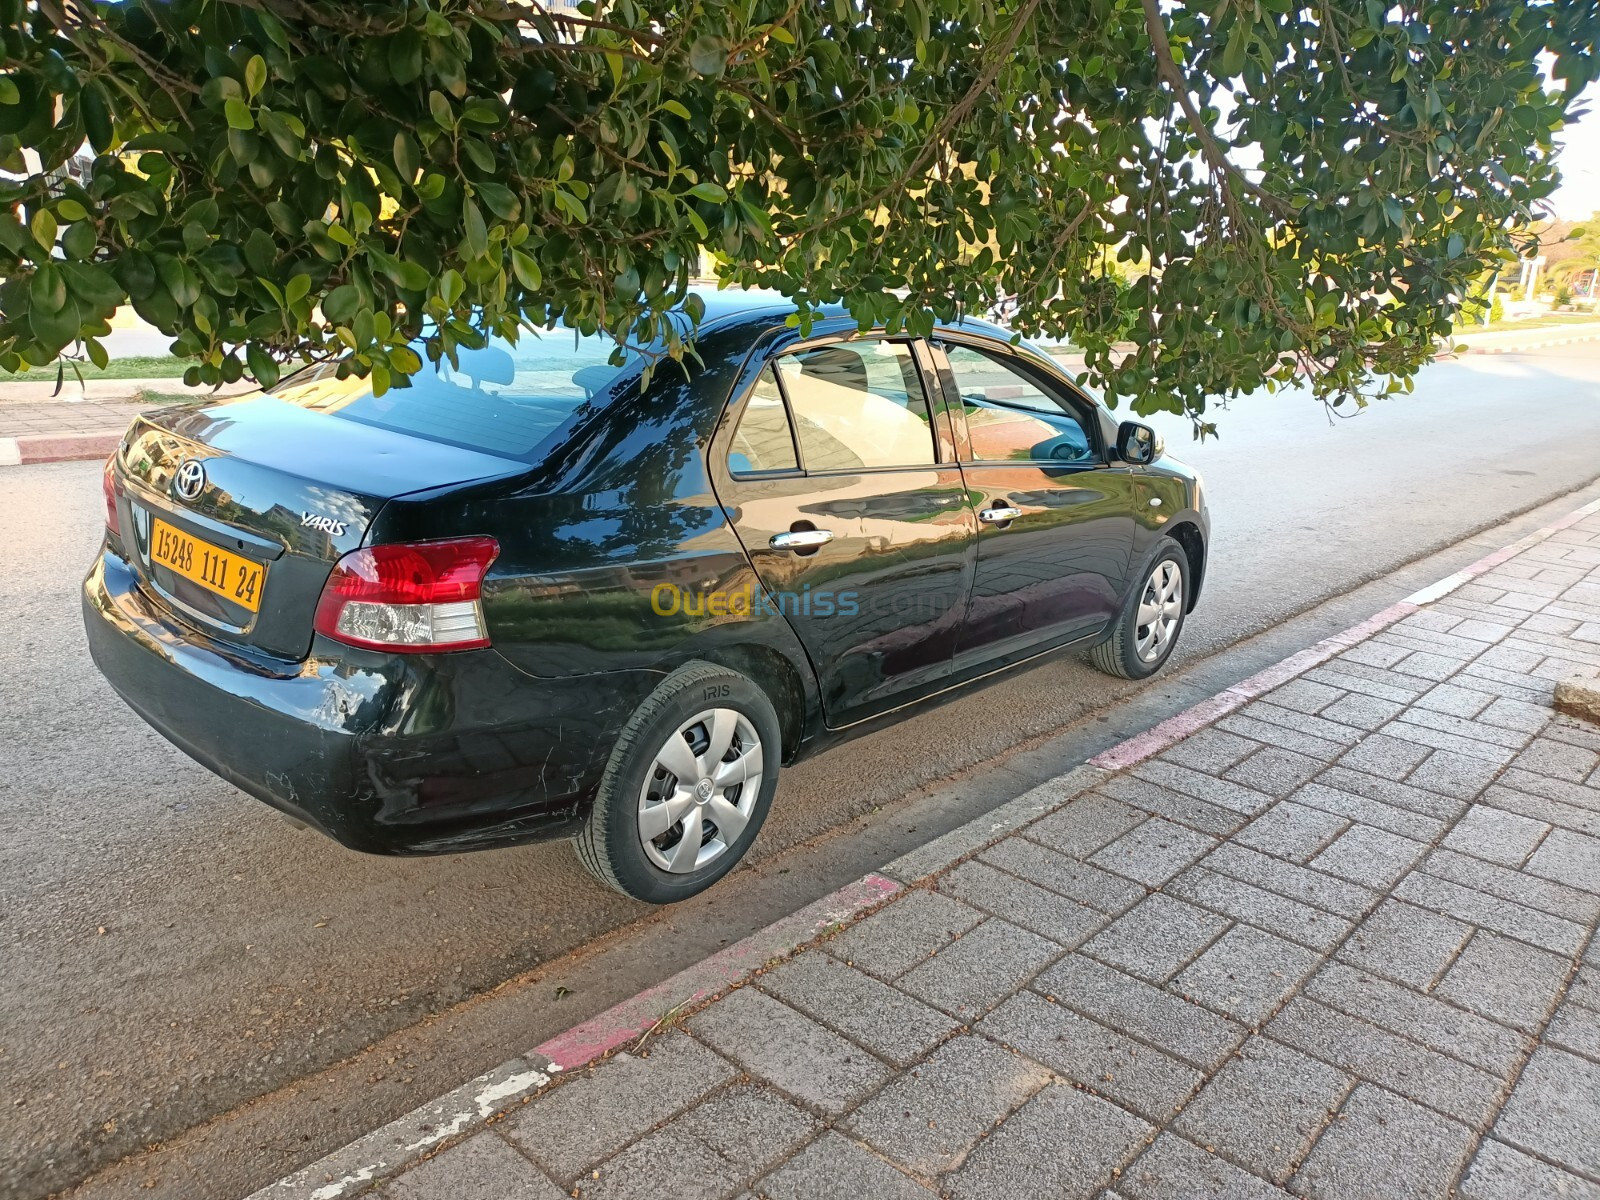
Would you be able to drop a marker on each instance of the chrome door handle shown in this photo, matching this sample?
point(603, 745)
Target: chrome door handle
point(801, 539)
point(999, 513)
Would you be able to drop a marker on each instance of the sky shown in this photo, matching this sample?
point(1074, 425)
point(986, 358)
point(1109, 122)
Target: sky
point(1579, 160)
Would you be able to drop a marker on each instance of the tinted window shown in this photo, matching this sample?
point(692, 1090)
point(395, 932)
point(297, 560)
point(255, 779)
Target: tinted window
point(763, 441)
point(858, 406)
point(1010, 418)
point(503, 399)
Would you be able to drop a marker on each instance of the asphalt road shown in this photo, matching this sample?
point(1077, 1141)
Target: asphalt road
point(170, 949)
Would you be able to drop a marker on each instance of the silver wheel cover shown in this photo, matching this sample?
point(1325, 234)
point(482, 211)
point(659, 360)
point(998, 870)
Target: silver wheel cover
point(1160, 610)
point(700, 790)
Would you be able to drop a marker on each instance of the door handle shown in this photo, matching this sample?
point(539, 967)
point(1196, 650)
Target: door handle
point(999, 514)
point(801, 539)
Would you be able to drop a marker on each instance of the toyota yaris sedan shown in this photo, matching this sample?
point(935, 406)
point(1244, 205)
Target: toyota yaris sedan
point(541, 593)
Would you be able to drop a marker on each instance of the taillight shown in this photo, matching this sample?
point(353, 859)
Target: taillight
point(409, 597)
point(108, 481)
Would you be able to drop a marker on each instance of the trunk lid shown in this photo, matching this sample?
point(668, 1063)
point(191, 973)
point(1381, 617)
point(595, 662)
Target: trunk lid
point(283, 489)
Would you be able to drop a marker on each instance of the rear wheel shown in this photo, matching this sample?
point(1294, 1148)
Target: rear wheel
point(687, 787)
point(1147, 628)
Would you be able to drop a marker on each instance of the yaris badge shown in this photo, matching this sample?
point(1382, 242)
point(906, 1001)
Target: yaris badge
point(190, 479)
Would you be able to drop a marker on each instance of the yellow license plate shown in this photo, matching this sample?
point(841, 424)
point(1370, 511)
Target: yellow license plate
point(210, 566)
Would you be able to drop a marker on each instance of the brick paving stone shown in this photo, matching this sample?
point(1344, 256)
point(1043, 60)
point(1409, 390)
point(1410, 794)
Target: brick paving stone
point(1373, 654)
point(1082, 826)
point(1569, 729)
point(1426, 1019)
point(1065, 876)
point(1137, 1076)
point(1156, 938)
point(1065, 922)
point(1520, 887)
point(1382, 755)
point(1185, 1030)
point(1064, 1143)
point(972, 975)
point(1304, 695)
point(1577, 794)
point(891, 942)
point(1492, 912)
point(833, 1165)
point(1298, 883)
point(1500, 1173)
point(705, 1153)
point(1555, 1111)
point(1439, 739)
point(1444, 644)
point(1363, 712)
point(886, 1021)
point(1426, 665)
point(1577, 1029)
point(1292, 831)
point(1559, 760)
point(1309, 745)
point(1276, 771)
point(1406, 943)
point(1369, 681)
point(1496, 835)
point(1431, 620)
point(792, 1052)
point(1175, 805)
point(1505, 683)
point(1392, 792)
point(1317, 727)
point(1457, 775)
point(1265, 1107)
point(1382, 1145)
point(1211, 750)
point(1174, 1169)
point(1245, 902)
point(1454, 699)
point(1569, 858)
point(591, 1116)
point(1554, 812)
point(1585, 986)
point(1369, 856)
point(1446, 1084)
point(1516, 714)
point(1246, 974)
point(928, 1119)
point(1154, 852)
point(1222, 793)
point(481, 1168)
point(1506, 980)
point(1376, 813)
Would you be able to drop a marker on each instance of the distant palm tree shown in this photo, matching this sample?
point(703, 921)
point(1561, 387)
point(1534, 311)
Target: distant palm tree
point(1587, 258)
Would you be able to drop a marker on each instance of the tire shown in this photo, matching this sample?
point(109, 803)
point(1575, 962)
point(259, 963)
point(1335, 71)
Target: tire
point(1137, 651)
point(639, 793)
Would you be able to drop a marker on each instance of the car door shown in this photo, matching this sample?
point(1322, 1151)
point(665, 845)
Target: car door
point(1055, 515)
point(840, 479)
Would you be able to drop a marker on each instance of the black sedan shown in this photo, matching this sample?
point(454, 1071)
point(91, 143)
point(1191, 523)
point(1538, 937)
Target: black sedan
point(538, 595)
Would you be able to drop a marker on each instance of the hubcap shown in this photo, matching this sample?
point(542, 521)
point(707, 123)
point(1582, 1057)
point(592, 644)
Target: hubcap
point(1160, 610)
point(701, 790)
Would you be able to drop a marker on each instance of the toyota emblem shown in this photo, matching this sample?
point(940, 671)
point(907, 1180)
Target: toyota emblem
point(190, 480)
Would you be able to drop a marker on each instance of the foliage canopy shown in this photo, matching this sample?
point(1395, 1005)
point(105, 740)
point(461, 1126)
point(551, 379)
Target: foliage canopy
point(1308, 186)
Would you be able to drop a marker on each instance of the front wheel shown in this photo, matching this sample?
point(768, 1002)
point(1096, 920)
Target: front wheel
point(1147, 628)
point(687, 787)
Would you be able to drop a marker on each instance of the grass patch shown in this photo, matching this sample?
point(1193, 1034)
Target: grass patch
point(164, 367)
point(1553, 321)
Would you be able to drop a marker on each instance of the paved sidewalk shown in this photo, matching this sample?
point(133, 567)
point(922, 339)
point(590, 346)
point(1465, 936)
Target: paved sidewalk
point(1336, 945)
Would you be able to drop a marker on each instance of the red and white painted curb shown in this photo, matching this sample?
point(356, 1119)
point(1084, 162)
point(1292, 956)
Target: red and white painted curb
point(57, 447)
point(387, 1151)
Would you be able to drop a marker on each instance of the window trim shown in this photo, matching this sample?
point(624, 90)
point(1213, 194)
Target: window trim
point(1072, 403)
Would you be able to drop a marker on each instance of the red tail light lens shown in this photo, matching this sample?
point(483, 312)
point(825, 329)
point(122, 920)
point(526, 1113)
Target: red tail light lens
point(410, 597)
point(108, 481)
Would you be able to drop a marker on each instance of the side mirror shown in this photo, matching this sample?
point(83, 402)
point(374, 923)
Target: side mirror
point(1139, 444)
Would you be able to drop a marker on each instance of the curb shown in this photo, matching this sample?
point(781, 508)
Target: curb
point(1519, 347)
point(57, 447)
point(386, 1152)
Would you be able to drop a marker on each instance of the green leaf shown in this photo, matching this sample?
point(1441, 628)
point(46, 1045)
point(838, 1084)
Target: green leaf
point(44, 227)
point(451, 286)
point(262, 365)
point(526, 270)
point(501, 200)
point(255, 76)
point(8, 91)
point(475, 232)
point(406, 160)
point(339, 305)
point(708, 56)
point(438, 105)
point(69, 209)
point(713, 192)
point(297, 289)
point(677, 108)
point(238, 113)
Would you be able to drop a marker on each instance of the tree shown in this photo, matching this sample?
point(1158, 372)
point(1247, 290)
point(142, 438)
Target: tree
point(1583, 253)
point(1311, 187)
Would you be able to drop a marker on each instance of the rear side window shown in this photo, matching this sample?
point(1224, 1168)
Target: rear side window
point(504, 400)
point(858, 406)
point(763, 441)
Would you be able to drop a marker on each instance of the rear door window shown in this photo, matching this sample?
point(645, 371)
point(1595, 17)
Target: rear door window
point(763, 442)
point(858, 406)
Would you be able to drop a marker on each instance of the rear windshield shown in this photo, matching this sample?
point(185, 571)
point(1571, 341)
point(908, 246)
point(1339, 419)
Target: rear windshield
point(504, 400)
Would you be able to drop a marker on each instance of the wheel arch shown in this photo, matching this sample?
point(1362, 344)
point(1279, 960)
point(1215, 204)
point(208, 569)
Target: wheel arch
point(779, 678)
point(1187, 534)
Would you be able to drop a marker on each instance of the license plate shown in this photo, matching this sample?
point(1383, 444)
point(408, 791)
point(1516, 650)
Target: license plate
point(212, 567)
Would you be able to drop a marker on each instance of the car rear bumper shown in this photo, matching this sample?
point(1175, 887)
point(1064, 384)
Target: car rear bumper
point(388, 754)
